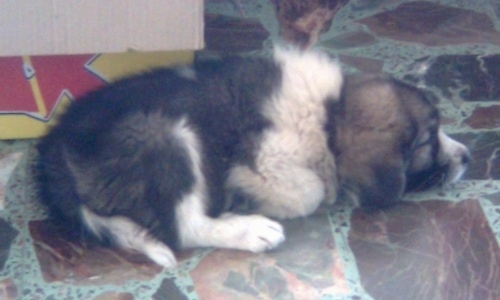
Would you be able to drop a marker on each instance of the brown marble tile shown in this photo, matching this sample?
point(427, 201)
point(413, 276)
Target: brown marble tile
point(8, 289)
point(484, 118)
point(350, 40)
point(470, 76)
point(224, 274)
point(310, 254)
point(306, 266)
point(428, 250)
point(484, 147)
point(227, 34)
point(433, 24)
point(64, 261)
point(362, 63)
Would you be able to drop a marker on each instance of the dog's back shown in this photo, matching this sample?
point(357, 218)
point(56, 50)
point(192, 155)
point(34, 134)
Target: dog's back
point(139, 147)
point(108, 153)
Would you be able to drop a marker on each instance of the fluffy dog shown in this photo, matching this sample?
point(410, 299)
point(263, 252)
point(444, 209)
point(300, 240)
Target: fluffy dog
point(151, 162)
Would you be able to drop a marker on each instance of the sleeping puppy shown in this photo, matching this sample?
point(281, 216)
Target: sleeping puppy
point(151, 162)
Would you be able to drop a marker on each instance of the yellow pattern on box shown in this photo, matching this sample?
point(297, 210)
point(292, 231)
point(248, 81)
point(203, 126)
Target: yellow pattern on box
point(108, 67)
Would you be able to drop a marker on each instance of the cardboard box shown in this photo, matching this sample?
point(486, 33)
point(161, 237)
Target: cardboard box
point(50, 47)
point(94, 26)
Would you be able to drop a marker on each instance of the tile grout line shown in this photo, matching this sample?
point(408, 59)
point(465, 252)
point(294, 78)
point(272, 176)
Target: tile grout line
point(29, 273)
point(340, 233)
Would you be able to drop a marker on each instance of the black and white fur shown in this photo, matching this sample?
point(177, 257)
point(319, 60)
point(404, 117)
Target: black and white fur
point(152, 161)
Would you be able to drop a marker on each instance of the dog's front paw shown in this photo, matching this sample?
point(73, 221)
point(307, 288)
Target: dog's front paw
point(160, 254)
point(261, 234)
point(253, 233)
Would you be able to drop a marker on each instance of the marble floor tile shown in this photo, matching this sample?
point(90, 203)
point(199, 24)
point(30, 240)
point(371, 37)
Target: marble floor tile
point(230, 34)
point(433, 24)
point(429, 250)
point(73, 263)
point(484, 147)
point(306, 266)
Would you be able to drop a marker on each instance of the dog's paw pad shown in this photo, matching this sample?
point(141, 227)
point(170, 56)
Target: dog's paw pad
point(160, 254)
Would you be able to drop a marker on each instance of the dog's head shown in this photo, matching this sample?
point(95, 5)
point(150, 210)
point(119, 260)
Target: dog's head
point(387, 140)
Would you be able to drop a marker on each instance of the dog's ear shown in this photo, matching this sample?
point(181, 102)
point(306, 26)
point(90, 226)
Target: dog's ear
point(373, 132)
point(376, 185)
